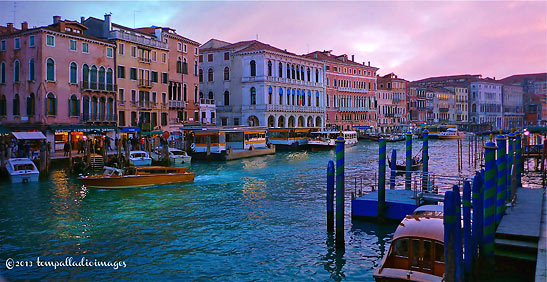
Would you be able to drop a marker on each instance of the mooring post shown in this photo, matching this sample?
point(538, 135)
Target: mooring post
point(518, 156)
point(501, 177)
point(340, 192)
point(509, 164)
point(467, 236)
point(425, 159)
point(476, 225)
point(382, 178)
point(330, 196)
point(489, 216)
point(393, 169)
point(458, 252)
point(449, 220)
point(408, 159)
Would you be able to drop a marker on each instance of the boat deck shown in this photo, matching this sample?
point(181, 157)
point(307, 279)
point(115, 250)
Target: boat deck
point(399, 204)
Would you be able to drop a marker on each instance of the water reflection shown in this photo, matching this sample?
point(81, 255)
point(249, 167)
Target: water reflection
point(254, 191)
point(334, 259)
point(298, 156)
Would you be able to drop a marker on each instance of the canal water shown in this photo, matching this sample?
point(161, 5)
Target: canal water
point(258, 219)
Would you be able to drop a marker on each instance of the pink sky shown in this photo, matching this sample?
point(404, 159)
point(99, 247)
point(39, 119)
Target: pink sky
point(413, 39)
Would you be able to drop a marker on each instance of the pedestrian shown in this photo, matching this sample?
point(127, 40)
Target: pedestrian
point(66, 148)
point(142, 143)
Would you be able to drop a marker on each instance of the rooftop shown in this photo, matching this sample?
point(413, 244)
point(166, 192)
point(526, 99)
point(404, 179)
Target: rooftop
point(327, 56)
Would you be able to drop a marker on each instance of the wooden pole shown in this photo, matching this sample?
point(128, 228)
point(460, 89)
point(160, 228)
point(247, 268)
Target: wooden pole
point(330, 196)
point(340, 193)
point(382, 178)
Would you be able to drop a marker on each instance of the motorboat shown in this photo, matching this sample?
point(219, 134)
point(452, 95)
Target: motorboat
point(139, 158)
point(22, 170)
point(132, 177)
point(450, 133)
point(325, 140)
point(416, 252)
point(401, 166)
point(395, 137)
point(176, 156)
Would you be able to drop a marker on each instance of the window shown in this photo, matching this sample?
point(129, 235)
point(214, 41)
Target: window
point(3, 105)
point(73, 72)
point(163, 58)
point(30, 104)
point(195, 68)
point(309, 78)
point(211, 95)
point(164, 98)
point(163, 119)
point(121, 72)
point(85, 76)
point(210, 58)
point(121, 49)
point(316, 75)
point(93, 76)
point(31, 71)
point(17, 43)
point(164, 78)
point(51, 104)
point(210, 75)
point(226, 56)
point(201, 58)
point(109, 80)
point(3, 45)
point(109, 52)
point(270, 93)
point(101, 78)
point(134, 96)
point(280, 74)
point(133, 118)
point(121, 96)
point(226, 73)
point(74, 106)
point(253, 68)
point(179, 65)
point(236, 121)
point(253, 95)
point(179, 46)
point(85, 48)
point(280, 96)
point(133, 73)
point(154, 77)
point(31, 41)
point(50, 40)
point(200, 75)
point(133, 51)
point(195, 94)
point(269, 68)
point(72, 45)
point(185, 48)
point(16, 107)
point(16, 71)
point(226, 98)
point(154, 56)
point(3, 72)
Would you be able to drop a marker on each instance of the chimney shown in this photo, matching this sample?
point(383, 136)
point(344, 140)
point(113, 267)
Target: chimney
point(24, 26)
point(107, 25)
point(82, 19)
point(10, 27)
point(353, 58)
point(56, 19)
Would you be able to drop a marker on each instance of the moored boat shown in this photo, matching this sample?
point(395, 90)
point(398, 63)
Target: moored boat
point(22, 170)
point(139, 158)
point(416, 164)
point(325, 140)
point(114, 178)
point(450, 133)
point(176, 156)
point(395, 137)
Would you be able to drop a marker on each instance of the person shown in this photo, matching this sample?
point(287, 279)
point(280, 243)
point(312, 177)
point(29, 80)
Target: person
point(142, 143)
point(66, 148)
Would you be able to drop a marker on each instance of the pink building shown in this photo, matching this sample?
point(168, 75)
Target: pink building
point(55, 79)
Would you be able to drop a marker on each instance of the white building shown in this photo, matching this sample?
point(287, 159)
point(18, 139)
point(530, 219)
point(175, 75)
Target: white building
point(259, 85)
point(485, 102)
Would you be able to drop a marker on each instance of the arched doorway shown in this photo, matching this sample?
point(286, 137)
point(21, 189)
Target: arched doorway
point(310, 122)
point(318, 122)
point(291, 121)
point(301, 121)
point(253, 121)
point(271, 121)
point(281, 121)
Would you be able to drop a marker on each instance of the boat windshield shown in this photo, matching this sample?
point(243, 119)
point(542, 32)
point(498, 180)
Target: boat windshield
point(23, 167)
point(138, 155)
point(178, 153)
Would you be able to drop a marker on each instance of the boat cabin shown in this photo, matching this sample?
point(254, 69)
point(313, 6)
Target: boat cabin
point(213, 139)
point(289, 136)
point(243, 139)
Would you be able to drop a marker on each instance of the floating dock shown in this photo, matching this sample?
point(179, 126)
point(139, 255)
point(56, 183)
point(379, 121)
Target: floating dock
point(399, 203)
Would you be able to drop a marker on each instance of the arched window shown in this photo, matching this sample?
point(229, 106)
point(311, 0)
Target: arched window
point(280, 96)
point(195, 94)
point(298, 72)
point(317, 98)
point(51, 104)
point(85, 76)
point(93, 77)
point(94, 108)
point(200, 75)
point(195, 68)
point(16, 106)
point(3, 105)
point(309, 98)
point(211, 95)
point(293, 72)
point(270, 94)
point(210, 75)
point(50, 70)
point(3, 72)
point(184, 93)
point(302, 73)
point(16, 71)
point(288, 71)
point(31, 70)
point(73, 106)
point(85, 107)
point(31, 100)
point(73, 72)
point(102, 78)
point(270, 68)
point(226, 98)
point(253, 68)
point(102, 104)
point(280, 69)
point(309, 79)
point(226, 73)
point(109, 79)
point(253, 96)
point(293, 96)
point(110, 109)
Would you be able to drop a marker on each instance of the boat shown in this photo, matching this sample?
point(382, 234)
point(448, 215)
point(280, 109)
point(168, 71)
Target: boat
point(131, 177)
point(139, 158)
point(395, 137)
point(22, 170)
point(416, 252)
point(435, 131)
point(416, 164)
point(450, 133)
point(176, 156)
point(325, 140)
point(289, 138)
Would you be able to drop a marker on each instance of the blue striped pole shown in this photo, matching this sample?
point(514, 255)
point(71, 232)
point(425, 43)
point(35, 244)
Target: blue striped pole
point(330, 196)
point(425, 159)
point(458, 234)
point(340, 192)
point(510, 154)
point(408, 160)
point(518, 156)
point(382, 178)
point(393, 169)
point(476, 225)
point(467, 236)
point(449, 222)
point(502, 178)
point(489, 223)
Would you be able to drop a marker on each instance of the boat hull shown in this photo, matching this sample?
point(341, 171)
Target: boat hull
point(24, 178)
point(141, 162)
point(133, 181)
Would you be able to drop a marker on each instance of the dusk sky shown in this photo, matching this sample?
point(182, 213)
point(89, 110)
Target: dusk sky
point(413, 39)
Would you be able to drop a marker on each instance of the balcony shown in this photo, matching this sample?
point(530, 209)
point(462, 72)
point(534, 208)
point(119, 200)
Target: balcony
point(204, 101)
point(123, 35)
point(224, 108)
point(354, 90)
point(353, 109)
point(144, 105)
point(144, 60)
point(177, 104)
point(299, 109)
point(98, 87)
point(280, 79)
point(144, 83)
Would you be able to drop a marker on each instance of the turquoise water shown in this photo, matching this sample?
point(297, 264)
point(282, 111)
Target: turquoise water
point(259, 219)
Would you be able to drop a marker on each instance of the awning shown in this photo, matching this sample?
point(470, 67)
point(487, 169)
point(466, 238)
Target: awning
point(130, 129)
point(29, 135)
point(82, 128)
point(155, 132)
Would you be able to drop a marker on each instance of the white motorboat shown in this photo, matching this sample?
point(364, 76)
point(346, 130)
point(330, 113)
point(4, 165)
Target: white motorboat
point(22, 170)
point(139, 158)
point(175, 155)
point(325, 140)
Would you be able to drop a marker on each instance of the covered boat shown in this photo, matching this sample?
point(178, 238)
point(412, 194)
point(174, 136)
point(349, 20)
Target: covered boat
point(176, 156)
point(325, 140)
point(22, 170)
point(114, 178)
point(139, 158)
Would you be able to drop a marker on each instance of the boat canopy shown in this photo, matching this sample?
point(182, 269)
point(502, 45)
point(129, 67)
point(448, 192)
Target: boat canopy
point(29, 135)
point(422, 227)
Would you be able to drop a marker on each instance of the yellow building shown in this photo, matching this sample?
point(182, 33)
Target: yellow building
point(461, 102)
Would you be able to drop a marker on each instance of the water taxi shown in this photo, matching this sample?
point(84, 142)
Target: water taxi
point(131, 177)
point(395, 137)
point(325, 140)
point(289, 138)
point(417, 251)
point(442, 132)
point(139, 158)
point(22, 170)
point(450, 133)
point(176, 156)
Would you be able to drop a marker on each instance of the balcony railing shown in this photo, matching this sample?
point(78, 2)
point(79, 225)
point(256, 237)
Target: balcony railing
point(224, 108)
point(177, 104)
point(144, 105)
point(94, 86)
point(207, 101)
point(144, 60)
point(144, 83)
point(350, 89)
point(123, 35)
point(353, 109)
point(300, 109)
point(280, 79)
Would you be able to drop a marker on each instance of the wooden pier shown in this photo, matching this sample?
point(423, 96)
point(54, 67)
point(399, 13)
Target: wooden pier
point(399, 203)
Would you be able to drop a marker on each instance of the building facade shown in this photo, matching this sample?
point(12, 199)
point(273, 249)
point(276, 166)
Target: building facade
point(513, 111)
point(55, 79)
point(417, 104)
point(398, 88)
point(461, 102)
point(485, 102)
point(256, 84)
point(351, 101)
point(534, 98)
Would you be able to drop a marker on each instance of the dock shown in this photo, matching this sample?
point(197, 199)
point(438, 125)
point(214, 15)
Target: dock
point(399, 204)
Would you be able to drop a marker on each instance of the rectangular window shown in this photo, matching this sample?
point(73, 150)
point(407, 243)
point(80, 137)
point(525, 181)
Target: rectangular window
point(154, 97)
point(133, 96)
point(185, 48)
point(121, 118)
point(163, 119)
point(133, 51)
point(50, 40)
point(196, 51)
point(133, 74)
point(72, 45)
point(164, 78)
point(163, 58)
point(164, 98)
point(154, 56)
point(179, 46)
point(210, 58)
point(200, 56)
point(236, 121)
point(226, 56)
point(154, 76)
point(133, 118)
point(121, 72)
point(17, 43)
point(121, 96)
point(31, 41)
point(85, 48)
point(109, 52)
point(3, 45)
point(121, 49)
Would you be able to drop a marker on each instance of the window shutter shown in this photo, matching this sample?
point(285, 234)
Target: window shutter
point(78, 107)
